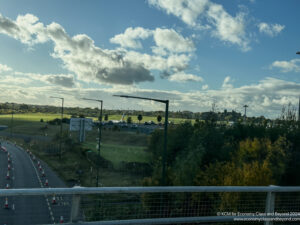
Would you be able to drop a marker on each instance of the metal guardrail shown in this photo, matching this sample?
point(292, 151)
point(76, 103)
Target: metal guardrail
point(77, 192)
point(177, 189)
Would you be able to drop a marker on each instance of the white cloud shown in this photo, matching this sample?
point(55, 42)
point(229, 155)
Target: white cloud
point(187, 10)
point(287, 66)
point(205, 87)
point(171, 63)
point(130, 36)
point(4, 68)
point(226, 83)
point(165, 39)
point(170, 40)
point(63, 80)
point(93, 64)
point(270, 29)
point(25, 28)
point(78, 53)
point(264, 98)
point(183, 77)
point(227, 28)
point(195, 13)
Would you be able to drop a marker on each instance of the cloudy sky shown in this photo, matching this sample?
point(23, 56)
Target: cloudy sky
point(192, 52)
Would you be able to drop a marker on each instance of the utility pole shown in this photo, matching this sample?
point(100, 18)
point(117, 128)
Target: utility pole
point(61, 123)
point(99, 137)
point(298, 53)
point(299, 110)
point(12, 120)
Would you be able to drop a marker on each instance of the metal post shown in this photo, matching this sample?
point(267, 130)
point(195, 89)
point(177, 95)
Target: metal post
point(163, 179)
point(61, 126)
point(99, 143)
point(99, 137)
point(74, 217)
point(245, 115)
point(165, 145)
point(12, 119)
point(270, 205)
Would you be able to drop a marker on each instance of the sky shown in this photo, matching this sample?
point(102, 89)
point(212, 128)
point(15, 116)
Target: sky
point(195, 53)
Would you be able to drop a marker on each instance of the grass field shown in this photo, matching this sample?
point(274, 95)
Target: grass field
point(29, 123)
point(121, 153)
point(32, 117)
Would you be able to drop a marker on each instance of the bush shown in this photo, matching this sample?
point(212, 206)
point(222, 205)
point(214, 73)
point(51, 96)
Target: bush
point(137, 168)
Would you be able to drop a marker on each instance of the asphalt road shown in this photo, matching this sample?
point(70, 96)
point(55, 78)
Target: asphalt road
point(25, 173)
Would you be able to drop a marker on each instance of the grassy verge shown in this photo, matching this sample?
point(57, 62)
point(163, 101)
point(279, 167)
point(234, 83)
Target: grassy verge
point(119, 154)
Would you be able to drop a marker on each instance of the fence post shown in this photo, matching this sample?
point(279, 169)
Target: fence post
point(270, 205)
point(75, 208)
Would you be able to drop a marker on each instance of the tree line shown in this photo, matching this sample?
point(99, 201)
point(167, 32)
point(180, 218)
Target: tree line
point(206, 153)
point(7, 108)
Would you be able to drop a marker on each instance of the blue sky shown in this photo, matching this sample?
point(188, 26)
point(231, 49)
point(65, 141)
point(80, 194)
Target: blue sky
point(192, 52)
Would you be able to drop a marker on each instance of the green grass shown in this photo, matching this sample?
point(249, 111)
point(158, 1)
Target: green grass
point(29, 123)
point(121, 153)
point(148, 118)
point(32, 117)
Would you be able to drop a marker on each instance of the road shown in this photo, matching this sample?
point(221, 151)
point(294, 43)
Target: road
point(24, 172)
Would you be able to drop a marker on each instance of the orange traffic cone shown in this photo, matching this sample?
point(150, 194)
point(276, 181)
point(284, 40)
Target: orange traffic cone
point(7, 175)
point(53, 200)
point(61, 220)
point(6, 203)
point(46, 183)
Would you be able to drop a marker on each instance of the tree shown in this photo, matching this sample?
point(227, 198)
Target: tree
point(140, 117)
point(129, 119)
point(106, 117)
point(159, 118)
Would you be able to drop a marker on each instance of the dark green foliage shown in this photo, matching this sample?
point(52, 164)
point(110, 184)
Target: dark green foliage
point(129, 119)
point(106, 117)
point(159, 118)
point(57, 121)
point(272, 149)
point(140, 117)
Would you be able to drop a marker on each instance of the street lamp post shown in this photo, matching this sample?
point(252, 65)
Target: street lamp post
point(163, 178)
point(61, 126)
point(99, 138)
point(12, 120)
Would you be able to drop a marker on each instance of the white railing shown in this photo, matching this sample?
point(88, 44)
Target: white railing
point(169, 205)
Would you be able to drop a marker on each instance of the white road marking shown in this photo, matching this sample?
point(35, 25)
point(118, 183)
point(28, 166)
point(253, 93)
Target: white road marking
point(47, 201)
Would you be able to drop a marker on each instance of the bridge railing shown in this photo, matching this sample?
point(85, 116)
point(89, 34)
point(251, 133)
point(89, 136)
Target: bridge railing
point(170, 205)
